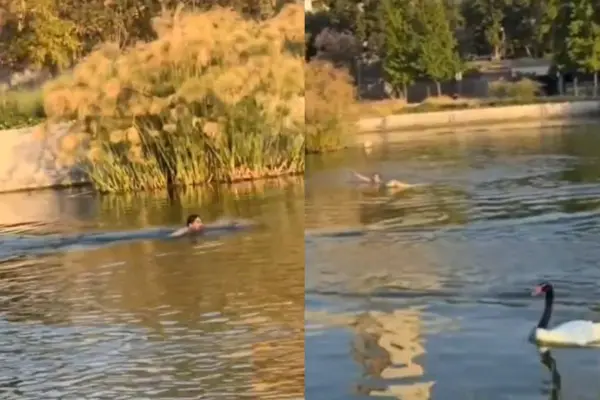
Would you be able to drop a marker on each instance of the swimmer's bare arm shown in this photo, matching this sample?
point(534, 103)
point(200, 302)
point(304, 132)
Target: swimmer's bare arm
point(361, 177)
point(179, 232)
point(402, 185)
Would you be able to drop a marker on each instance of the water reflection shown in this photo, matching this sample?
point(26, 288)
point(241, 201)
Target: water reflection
point(161, 319)
point(388, 346)
point(555, 380)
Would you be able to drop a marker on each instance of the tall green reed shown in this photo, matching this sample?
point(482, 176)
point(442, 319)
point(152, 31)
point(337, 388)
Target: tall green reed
point(182, 152)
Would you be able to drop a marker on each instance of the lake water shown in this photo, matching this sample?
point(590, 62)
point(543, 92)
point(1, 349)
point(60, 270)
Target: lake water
point(219, 317)
point(425, 294)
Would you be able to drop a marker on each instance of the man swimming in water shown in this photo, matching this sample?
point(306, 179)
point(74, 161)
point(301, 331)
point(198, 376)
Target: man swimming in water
point(193, 226)
point(376, 181)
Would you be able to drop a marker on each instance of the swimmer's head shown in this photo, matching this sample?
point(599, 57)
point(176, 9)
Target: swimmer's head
point(194, 223)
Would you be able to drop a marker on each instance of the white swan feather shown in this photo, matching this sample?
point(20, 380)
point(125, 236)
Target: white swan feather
point(577, 332)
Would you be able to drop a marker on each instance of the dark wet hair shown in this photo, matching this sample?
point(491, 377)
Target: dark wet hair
point(190, 220)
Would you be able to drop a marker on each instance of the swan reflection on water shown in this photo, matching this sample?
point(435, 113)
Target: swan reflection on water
point(550, 363)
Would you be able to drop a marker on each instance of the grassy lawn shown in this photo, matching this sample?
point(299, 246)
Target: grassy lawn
point(20, 109)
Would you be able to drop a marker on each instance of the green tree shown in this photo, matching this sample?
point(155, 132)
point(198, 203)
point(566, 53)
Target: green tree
point(437, 58)
point(455, 18)
point(362, 18)
point(531, 26)
point(401, 46)
point(33, 35)
point(129, 21)
point(521, 24)
point(547, 16)
point(484, 22)
point(120, 21)
point(582, 44)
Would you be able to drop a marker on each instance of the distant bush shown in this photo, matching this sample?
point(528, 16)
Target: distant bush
point(381, 108)
point(522, 90)
point(19, 109)
point(215, 97)
point(339, 48)
point(330, 107)
point(447, 102)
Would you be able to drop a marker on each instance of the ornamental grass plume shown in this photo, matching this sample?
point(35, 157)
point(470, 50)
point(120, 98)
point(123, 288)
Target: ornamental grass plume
point(330, 107)
point(216, 97)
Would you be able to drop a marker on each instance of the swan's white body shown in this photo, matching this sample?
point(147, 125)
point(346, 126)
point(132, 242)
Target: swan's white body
point(572, 333)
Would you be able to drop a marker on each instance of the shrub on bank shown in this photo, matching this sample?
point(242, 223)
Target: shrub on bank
point(215, 97)
point(385, 108)
point(330, 107)
point(524, 90)
point(381, 108)
point(19, 109)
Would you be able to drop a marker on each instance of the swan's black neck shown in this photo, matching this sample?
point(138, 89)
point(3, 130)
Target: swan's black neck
point(545, 319)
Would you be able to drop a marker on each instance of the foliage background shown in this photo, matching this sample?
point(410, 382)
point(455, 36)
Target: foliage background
point(432, 40)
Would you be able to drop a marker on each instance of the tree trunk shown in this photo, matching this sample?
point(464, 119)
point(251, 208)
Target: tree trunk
point(561, 88)
point(595, 83)
point(496, 53)
point(438, 87)
point(398, 93)
point(358, 77)
point(575, 87)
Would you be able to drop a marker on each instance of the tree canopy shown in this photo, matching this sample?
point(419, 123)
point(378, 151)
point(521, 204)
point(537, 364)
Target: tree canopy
point(55, 33)
point(418, 38)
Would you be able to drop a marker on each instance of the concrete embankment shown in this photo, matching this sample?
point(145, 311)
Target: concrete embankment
point(400, 127)
point(31, 160)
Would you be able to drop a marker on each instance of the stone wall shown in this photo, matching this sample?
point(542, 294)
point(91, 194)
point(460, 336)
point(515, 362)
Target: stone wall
point(480, 115)
point(29, 160)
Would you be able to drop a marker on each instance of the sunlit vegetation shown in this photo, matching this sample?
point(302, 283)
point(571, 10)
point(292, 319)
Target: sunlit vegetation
point(215, 97)
point(330, 107)
point(524, 89)
point(54, 34)
point(19, 109)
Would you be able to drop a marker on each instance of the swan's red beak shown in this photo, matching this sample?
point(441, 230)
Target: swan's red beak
point(537, 291)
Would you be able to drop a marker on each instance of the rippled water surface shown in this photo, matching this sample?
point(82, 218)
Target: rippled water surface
point(219, 317)
point(425, 294)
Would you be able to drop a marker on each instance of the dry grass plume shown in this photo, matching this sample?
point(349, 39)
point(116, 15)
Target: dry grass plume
point(331, 107)
point(216, 97)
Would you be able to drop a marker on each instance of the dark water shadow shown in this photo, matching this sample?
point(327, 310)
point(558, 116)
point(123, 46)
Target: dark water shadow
point(337, 234)
point(554, 391)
